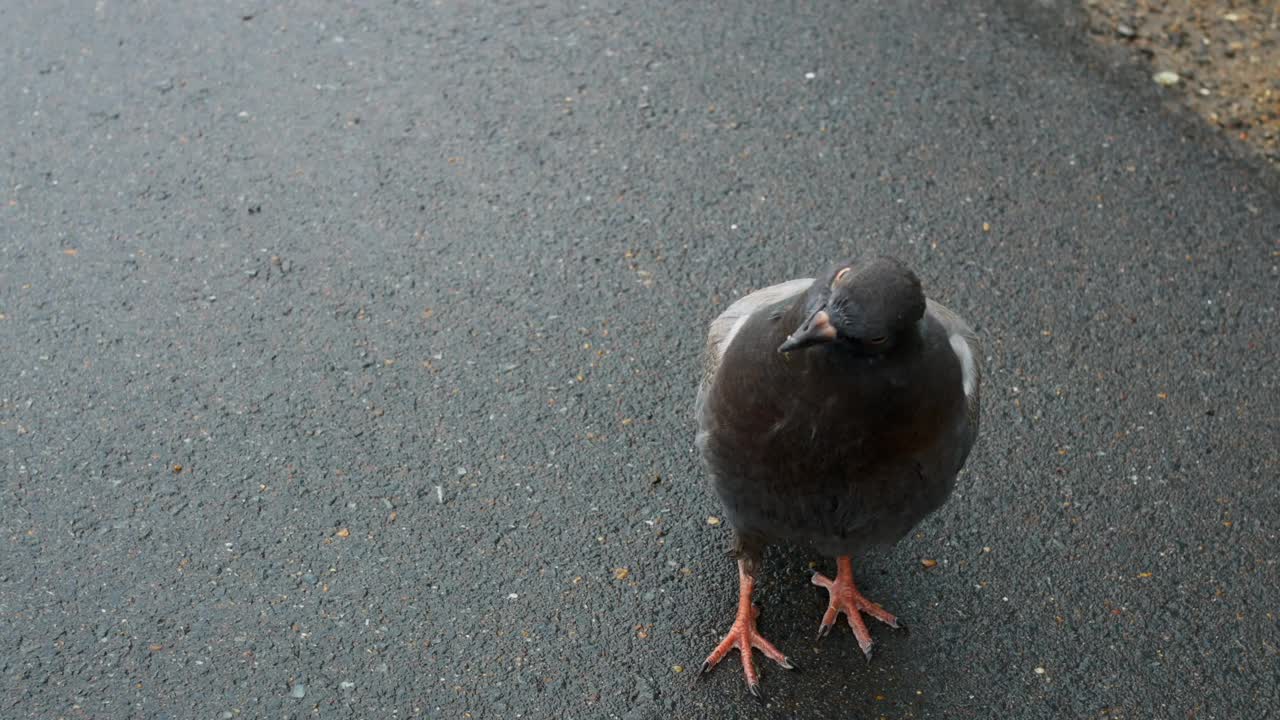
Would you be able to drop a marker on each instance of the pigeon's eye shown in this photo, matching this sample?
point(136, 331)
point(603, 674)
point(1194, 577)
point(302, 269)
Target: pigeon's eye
point(877, 340)
point(841, 275)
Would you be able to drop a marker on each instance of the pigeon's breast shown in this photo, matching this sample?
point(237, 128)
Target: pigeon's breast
point(840, 457)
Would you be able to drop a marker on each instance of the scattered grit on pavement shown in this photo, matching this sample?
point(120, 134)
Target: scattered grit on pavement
point(1222, 57)
point(350, 351)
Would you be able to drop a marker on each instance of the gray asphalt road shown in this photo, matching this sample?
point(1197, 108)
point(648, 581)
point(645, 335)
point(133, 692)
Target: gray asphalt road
point(349, 358)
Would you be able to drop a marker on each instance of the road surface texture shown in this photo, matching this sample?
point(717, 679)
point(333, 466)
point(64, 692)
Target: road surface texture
point(349, 359)
point(1221, 57)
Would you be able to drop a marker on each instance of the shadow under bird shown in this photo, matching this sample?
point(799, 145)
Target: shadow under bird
point(834, 412)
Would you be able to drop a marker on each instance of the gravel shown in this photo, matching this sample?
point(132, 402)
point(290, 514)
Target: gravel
point(1219, 57)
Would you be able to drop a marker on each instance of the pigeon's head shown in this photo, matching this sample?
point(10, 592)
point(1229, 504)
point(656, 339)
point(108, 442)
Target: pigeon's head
point(866, 306)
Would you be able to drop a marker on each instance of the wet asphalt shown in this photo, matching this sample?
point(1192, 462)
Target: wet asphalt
point(349, 357)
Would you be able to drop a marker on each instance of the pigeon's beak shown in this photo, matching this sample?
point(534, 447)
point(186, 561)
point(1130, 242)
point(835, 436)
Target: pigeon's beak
point(817, 329)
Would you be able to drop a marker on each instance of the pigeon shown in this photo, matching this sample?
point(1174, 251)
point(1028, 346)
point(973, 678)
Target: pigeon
point(833, 413)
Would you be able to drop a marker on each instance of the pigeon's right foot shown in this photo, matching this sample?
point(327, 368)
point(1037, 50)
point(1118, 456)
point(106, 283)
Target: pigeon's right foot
point(846, 599)
point(744, 636)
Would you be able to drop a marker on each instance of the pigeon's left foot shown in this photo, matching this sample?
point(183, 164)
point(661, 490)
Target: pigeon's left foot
point(744, 636)
point(846, 599)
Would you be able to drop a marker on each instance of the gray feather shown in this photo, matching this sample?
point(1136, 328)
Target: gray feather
point(826, 449)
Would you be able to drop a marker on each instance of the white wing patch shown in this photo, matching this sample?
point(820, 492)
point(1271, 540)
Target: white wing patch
point(727, 325)
point(968, 371)
point(733, 331)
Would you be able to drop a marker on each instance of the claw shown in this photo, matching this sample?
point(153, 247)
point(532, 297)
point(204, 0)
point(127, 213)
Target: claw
point(845, 598)
point(745, 638)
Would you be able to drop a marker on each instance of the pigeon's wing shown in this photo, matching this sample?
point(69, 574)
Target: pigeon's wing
point(729, 322)
point(726, 326)
point(964, 342)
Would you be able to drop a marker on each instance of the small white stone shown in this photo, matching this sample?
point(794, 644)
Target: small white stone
point(810, 75)
point(1166, 78)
